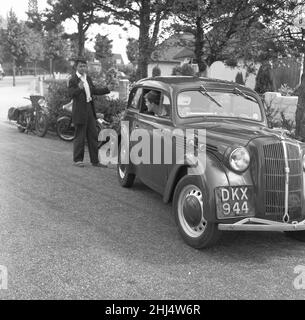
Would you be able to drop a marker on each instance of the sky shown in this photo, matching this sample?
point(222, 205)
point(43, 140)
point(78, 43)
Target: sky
point(114, 33)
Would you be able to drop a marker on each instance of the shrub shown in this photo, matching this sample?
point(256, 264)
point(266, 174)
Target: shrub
point(275, 122)
point(58, 95)
point(177, 71)
point(185, 70)
point(239, 78)
point(271, 114)
point(264, 82)
point(109, 107)
point(156, 71)
point(285, 90)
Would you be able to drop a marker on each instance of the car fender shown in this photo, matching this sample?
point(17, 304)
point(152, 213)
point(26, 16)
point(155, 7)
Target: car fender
point(215, 175)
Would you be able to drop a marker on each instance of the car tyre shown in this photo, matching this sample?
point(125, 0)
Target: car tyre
point(296, 235)
point(126, 178)
point(189, 207)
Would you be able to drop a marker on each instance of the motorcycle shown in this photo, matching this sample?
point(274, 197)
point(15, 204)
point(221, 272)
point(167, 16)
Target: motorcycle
point(32, 117)
point(65, 128)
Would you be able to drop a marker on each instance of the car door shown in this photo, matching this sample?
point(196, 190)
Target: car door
point(154, 173)
point(131, 115)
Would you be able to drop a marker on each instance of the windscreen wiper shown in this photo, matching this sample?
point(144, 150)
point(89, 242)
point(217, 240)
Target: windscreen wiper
point(205, 92)
point(240, 93)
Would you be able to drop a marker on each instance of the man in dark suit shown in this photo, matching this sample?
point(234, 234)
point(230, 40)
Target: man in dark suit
point(81, 89)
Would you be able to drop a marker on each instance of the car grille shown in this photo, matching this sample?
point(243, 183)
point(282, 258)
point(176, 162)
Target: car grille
point(274, 180)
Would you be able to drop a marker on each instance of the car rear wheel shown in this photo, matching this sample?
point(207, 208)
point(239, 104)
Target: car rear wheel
point(296, 235)
point(126, 178)
point(190, 206)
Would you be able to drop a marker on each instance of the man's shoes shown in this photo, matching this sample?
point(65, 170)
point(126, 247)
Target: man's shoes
point(99, 165)
point(79, 164)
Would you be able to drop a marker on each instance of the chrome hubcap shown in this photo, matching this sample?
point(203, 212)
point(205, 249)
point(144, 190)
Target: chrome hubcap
point(190, 211)
point(122, 171)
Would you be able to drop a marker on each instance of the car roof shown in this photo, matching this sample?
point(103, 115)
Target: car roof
point(186, 82)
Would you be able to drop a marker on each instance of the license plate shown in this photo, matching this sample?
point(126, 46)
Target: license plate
point(234, 202)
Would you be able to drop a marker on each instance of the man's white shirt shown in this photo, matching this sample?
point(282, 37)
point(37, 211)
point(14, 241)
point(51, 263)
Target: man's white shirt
point(86, 85)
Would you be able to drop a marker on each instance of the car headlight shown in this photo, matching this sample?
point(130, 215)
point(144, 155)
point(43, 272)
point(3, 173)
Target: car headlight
point(239, 159)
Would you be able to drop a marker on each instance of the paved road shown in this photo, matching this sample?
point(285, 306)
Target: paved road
point(72, 233)
point(13, 96)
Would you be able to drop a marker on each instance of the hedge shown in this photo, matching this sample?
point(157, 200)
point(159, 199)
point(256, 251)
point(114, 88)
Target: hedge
point(57, 95)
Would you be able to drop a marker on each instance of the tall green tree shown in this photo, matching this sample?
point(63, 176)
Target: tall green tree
point(147, 16)
point(264, 82)
point(103, 51)
point(13, 42)
point(34, 45)
point(132, 50)
point(220, 27)
point(84, 13)
point(56, 46)
point(34, 20)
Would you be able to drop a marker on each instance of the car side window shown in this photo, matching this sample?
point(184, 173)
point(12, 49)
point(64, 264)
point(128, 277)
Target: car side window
point(134, 102)
point(165, 108)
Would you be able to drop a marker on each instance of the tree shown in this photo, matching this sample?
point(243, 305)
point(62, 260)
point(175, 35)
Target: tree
point(264, 82)
point(83, 12)
point(56, 46)
point(34, 20)
point(292, 38)
point(283, 39)
point(103, 51)
point(219, 26)
point(147, 15)
point(13, 42)
point(132, 50)
point(34, 46)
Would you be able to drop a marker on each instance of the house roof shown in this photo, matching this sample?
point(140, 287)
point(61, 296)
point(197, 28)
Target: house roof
point(185, 53)
point(169, 48)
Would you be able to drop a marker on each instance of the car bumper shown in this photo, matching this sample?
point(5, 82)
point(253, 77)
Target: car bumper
point(254, 224)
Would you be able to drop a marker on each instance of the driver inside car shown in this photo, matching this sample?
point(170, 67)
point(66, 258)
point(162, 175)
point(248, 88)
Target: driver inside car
point(152, 101)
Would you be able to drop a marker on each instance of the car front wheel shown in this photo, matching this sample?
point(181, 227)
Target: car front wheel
point(189, 206)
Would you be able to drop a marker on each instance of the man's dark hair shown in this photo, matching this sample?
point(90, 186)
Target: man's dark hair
point(153, 97)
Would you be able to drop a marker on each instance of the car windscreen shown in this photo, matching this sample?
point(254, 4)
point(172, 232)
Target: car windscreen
point(196, 103)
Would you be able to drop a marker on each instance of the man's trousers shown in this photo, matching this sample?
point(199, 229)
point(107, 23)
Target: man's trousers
point(83, 131)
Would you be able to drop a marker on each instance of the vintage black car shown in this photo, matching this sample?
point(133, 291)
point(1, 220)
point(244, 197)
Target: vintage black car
point(253, 177)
